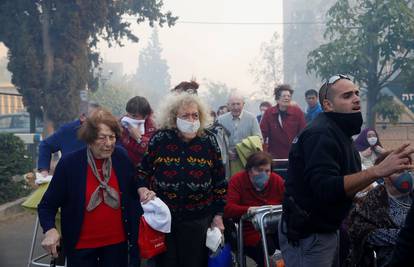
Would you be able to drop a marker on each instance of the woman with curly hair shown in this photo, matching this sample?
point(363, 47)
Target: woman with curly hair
point(183, 168)
point(190, 87)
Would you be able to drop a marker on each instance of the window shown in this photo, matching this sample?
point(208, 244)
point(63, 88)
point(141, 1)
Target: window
point(5, 122)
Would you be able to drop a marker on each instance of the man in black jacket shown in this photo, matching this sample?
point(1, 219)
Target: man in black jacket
point(325, 174)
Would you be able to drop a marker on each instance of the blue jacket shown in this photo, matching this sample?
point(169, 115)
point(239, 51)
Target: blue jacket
point(67, 192)
point(65, 140)
point(312, 113)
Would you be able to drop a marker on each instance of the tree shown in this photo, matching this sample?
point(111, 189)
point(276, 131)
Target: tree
point(113, 96)
point(267, 67)
point(52, 46)
point(152, 79)
point(387, 109)
point(371, 40)
point(302, 32)
point(14, 160)
point(215, 94)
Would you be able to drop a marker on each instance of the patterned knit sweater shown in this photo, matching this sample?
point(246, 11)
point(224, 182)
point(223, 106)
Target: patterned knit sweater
point(188, 176)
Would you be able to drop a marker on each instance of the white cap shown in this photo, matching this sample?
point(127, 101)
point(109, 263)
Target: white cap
point(157, 215)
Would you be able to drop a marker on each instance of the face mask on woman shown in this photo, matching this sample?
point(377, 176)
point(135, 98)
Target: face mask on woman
point(372, 140)
point(259, 181)
point(404, 182)
point(188, 126)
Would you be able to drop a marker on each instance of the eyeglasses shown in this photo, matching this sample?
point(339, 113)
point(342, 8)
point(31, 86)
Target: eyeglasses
point(104, 138)
point(187, 116)
point(333, 80)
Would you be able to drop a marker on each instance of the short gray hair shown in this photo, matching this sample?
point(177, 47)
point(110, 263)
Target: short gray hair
point(236, 95)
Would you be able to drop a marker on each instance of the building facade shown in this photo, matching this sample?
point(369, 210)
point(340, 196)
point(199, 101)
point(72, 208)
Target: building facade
point(10, 100)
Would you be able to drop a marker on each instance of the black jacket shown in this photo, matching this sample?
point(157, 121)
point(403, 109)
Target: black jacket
point(318, 161)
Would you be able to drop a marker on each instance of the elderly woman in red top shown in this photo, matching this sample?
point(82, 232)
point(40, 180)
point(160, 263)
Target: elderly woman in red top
point(94, 188)
point(253, 187)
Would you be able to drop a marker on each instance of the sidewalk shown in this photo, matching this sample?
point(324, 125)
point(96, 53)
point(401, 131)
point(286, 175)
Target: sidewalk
point(11, 209)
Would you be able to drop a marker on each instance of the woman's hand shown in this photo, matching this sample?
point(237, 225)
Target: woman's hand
point(134, 132)
point(379, 149)
point(145, 194)
point(218, 222)
point(51, 242)
point(396, 162)
point(367, 152)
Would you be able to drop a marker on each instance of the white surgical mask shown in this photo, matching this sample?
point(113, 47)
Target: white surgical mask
point(372, 140)
point(188, 126)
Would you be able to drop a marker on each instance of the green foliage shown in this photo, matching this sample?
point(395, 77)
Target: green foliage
point(267, 67)
point(14, 160)
point(371, 40)
point(152, 79)
point(20, 33)
point(216, 95)
point(113, 97)
point(301, 38)
point(52, 46)
point(388, 109)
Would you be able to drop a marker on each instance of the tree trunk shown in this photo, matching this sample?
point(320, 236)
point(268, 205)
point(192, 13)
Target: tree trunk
point(371, 100)
point(48, 64)
point(372, 81)
point(32, 120)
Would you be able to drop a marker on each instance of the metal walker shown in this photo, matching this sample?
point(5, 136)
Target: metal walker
point(263, 219)
point(36, 261)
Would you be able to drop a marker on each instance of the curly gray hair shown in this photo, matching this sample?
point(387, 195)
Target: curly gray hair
point(166, 114)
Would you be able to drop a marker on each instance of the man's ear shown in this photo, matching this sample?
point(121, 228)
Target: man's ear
point(327, 105)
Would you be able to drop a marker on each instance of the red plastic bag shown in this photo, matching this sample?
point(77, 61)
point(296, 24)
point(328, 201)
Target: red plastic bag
point(150, 242)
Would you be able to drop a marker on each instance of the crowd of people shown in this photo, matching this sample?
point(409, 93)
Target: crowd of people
point(194, 161)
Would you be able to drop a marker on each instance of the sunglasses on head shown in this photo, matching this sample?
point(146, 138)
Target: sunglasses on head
point(333, 80)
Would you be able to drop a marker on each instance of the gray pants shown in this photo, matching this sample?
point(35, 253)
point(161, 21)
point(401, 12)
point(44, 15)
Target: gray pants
point(318, 249)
